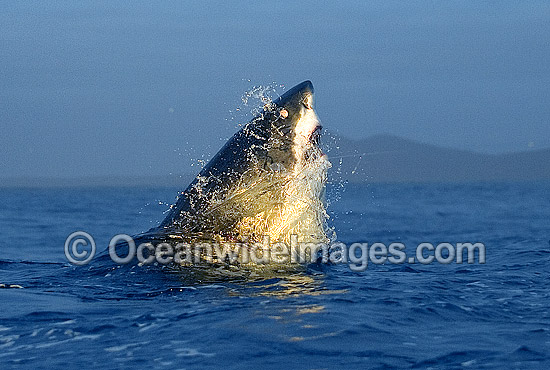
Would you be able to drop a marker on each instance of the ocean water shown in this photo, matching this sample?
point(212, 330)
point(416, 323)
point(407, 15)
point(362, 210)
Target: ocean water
point(322, 316)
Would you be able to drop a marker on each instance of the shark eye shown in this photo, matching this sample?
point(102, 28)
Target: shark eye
point(283, 113)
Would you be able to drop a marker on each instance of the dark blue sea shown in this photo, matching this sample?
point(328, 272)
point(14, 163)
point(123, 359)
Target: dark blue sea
point(324, 316)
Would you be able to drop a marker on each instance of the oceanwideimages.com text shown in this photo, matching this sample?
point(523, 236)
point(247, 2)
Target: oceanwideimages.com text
point(357, 255)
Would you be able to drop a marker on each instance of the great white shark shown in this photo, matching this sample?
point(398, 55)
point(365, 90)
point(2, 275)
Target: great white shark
point(267, 180)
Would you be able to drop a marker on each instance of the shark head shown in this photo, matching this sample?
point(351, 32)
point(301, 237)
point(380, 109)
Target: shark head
point(290, 129)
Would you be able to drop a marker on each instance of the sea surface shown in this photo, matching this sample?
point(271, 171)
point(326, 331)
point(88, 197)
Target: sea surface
point(321, 316)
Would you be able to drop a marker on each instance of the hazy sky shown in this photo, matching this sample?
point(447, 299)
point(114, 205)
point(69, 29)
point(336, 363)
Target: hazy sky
point(110, 88)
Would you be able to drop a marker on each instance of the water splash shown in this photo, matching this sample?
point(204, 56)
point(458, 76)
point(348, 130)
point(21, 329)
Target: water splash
point(253, 100)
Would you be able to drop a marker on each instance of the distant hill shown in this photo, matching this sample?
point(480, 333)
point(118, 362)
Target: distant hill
point(381, 158)
point(386, 158)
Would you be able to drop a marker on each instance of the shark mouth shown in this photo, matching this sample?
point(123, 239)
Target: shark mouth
point(315, 136)
point(307, 134)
